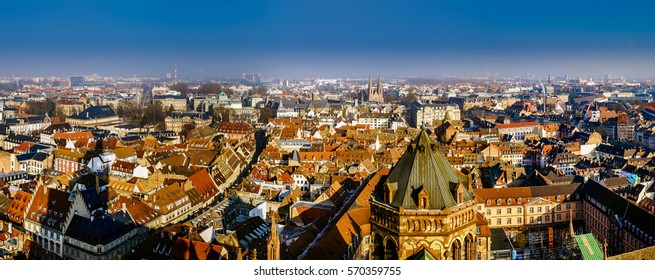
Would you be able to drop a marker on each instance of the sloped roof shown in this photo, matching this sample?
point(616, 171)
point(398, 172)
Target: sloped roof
point(424, 167)
point(95, 112)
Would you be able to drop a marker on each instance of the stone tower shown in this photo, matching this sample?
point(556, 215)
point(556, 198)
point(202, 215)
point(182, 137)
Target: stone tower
point(273, 245)
point(424, 206)
point(378, 95)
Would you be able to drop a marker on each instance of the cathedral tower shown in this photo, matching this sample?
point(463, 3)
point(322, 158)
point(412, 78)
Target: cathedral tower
point(424, 206)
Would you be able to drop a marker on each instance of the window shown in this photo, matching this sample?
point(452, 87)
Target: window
point(539, 220)
point(509, 221)
point(568, 216)
point(519, 220)
point(568, 206)
point(547, 219)
point(488, 212)
point(498, 221)
point(518, 200)
point(539, 209)
point(488, 202)
point(509, 201)
point(547, 208)
point(559, 207)
point(498, 211)
point(509, 211)
point(531, 219)
point(519, 210)
point(531, 209)
point(577, 205)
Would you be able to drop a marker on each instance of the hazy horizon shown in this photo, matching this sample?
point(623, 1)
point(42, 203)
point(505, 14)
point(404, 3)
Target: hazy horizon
point(298, 39)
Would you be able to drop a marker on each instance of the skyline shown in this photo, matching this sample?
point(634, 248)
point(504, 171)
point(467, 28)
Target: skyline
point(296, 39)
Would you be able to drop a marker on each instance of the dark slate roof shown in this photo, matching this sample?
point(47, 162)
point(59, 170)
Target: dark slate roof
point(91, 198)
point(61, 127)
point(26, 120)
point(19, 138)
point(158, 97)
point(499, 240)
point(617, 205)
point(37, 147)
point(33, 156)
point(424, 167)
point(95, 112)
point(102, 230)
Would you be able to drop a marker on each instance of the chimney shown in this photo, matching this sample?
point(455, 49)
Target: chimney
point(87, 115)
point(9, 228)
point(124, 207)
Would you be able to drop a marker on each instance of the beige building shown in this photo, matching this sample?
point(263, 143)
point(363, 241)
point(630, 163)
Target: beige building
point(424, 209)
point(429, 113)
point(522, 207)
point(94, 116)
point(177, 121)
point(177, 101)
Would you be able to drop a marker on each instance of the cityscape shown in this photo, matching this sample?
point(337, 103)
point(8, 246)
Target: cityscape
point(105, 168)
point(345, 131)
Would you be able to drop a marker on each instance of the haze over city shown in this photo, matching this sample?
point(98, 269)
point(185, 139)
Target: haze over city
point(298, 39)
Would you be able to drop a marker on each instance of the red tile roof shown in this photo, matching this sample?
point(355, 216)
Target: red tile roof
point(186, 249)
point(204, 184)
point(49, 208)
point(18, 206)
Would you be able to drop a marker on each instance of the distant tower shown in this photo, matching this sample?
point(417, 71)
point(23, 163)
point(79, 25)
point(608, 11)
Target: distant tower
point(175, 73)
point(369, 91)
point(273, 242)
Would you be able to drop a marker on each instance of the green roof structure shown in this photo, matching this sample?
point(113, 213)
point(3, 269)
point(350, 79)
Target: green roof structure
point(423, 169)
point(589, 247)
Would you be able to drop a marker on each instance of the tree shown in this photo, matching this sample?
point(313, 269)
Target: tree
point(153, 114)
point(180, 87)
point(41, 107)
point(60, 114)
point(210, 88)
point(260, 91)
point(170, 110)
point(409, 98)
point(223, 114)
point(265, 114)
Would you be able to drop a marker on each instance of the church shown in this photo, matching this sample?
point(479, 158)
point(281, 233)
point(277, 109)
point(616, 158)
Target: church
point(424, 209)
point(370, 95)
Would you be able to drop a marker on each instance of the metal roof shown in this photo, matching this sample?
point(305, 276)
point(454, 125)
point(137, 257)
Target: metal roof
point(589, 247)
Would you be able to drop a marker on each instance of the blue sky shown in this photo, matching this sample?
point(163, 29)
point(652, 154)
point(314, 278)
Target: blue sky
point(328, 38)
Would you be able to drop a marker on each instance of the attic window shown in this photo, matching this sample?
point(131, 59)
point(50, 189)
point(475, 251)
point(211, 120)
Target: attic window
point(509, 201)
point(498, 201)
point(423, 200)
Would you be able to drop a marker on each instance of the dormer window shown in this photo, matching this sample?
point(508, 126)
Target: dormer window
point(509, 201)
point(423, 200)
point(498, 201)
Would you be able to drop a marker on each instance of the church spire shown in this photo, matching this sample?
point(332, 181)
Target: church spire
point(571, 230)
point(273, 245)
point(379, 89)
point(370, 87)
